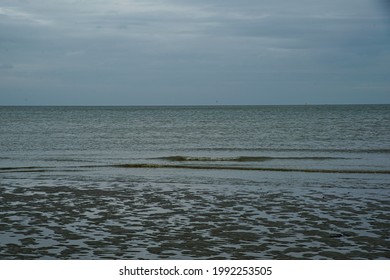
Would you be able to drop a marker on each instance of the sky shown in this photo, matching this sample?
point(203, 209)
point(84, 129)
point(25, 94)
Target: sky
point(194, 52)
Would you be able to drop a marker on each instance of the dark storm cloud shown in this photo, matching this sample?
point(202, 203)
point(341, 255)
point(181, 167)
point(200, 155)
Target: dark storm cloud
point(195, 52)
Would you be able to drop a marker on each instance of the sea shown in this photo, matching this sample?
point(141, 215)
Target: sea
point(195, 182)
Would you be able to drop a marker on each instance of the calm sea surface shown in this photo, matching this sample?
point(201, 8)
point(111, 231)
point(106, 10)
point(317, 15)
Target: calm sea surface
point(239, 182)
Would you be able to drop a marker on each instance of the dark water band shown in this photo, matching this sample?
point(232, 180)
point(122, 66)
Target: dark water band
point(208, 167)
point(241, 158)
point(194, 167)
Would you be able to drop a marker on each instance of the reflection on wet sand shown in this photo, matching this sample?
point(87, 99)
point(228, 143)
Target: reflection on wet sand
point(177, 221)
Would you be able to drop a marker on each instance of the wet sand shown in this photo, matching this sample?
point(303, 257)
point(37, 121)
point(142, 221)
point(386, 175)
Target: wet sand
point(174, 220)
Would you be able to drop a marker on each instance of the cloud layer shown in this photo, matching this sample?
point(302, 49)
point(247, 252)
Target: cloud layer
point(96, 52)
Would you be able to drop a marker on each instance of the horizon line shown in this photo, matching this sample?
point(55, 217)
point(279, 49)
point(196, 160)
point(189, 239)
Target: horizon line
point(188, 105)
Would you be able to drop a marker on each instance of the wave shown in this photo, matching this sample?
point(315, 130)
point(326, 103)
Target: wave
point(26, 169)
point(186, 166)
point(243, 168)
point(240, 158)
point(23, 169)
point(265, 149)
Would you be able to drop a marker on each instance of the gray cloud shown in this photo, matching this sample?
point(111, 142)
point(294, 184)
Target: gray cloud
point(193, 52)
point(6, 66)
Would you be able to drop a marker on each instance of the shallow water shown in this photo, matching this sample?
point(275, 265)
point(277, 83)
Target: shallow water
point(81, 184)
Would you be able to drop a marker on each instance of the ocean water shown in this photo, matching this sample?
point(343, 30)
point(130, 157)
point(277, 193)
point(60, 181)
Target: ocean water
point(207, 182)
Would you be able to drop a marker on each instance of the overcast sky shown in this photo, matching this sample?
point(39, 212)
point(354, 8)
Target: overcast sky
point(178, 52)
